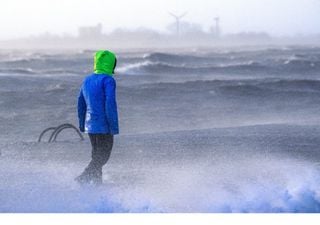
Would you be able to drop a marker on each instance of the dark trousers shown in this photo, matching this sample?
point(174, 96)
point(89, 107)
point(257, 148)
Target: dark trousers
point(101, 151)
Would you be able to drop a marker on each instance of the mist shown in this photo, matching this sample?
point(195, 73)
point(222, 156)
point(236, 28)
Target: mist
point(20, 19)
point(218, 106)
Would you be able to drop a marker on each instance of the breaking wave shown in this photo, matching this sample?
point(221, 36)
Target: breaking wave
point(161, 63)
point(272, 62)
point(149, 67)
point(282, 186)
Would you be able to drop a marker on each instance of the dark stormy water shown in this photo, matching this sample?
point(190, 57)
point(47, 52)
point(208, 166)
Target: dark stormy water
point(202, 130)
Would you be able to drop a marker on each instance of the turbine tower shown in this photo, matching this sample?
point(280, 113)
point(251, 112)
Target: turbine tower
point(217, 26)
point(178, 19)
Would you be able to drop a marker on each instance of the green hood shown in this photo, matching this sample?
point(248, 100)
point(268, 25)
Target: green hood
point(104, 62)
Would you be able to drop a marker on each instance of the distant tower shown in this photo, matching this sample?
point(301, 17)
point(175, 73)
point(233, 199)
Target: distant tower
point(178, 19)
point(217, 30)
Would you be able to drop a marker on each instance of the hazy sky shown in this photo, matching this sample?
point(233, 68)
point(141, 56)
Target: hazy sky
point(278, 17)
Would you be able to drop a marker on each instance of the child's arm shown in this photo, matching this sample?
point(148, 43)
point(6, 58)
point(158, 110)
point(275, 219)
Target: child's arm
point(82, 109)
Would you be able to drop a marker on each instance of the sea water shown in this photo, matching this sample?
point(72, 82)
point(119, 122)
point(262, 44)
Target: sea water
point(202, 130)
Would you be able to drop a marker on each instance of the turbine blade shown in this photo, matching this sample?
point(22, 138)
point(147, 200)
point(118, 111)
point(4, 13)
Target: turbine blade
point(175, 16)
point(183, 15)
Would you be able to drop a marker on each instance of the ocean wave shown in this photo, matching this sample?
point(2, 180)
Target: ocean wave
point(159, 63)
point(233, 63)
point(267, 185)
point(297, 85)
point(61, 71)
point(272, 88)
point(301, 64)
point(295, 66)
point(30, 71)
point(18, 71)
point(181, 58)
point(161, 67)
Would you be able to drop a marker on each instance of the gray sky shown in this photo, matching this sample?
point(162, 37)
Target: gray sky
point(20, 18)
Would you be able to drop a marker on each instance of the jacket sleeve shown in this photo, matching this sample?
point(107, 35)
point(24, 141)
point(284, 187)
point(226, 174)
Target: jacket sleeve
point(111, 106)
point(82, 109)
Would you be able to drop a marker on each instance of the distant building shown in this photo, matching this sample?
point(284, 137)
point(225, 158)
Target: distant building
point(90, 32)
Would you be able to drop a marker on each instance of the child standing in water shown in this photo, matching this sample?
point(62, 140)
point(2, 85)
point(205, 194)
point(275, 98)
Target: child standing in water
point(97, 113)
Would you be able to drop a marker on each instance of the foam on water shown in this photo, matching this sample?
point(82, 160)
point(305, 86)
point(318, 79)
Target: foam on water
point(255, 185)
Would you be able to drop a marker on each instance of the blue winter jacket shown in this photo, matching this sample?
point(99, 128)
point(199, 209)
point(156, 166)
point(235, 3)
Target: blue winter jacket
point(97, 106)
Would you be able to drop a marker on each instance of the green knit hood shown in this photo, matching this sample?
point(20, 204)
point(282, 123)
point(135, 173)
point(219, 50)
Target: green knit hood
point(104, 62)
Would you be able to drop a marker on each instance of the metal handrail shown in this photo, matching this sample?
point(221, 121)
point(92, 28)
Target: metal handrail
point(61, 128)
point(57, 130)
point(45, 131)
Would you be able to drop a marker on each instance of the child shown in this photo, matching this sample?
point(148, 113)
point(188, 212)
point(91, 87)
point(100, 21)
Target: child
point(98, 116)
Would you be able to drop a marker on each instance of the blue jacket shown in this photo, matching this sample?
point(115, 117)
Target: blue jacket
point(97, 106)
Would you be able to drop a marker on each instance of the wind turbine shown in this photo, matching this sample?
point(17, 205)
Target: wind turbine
point(178, 19)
